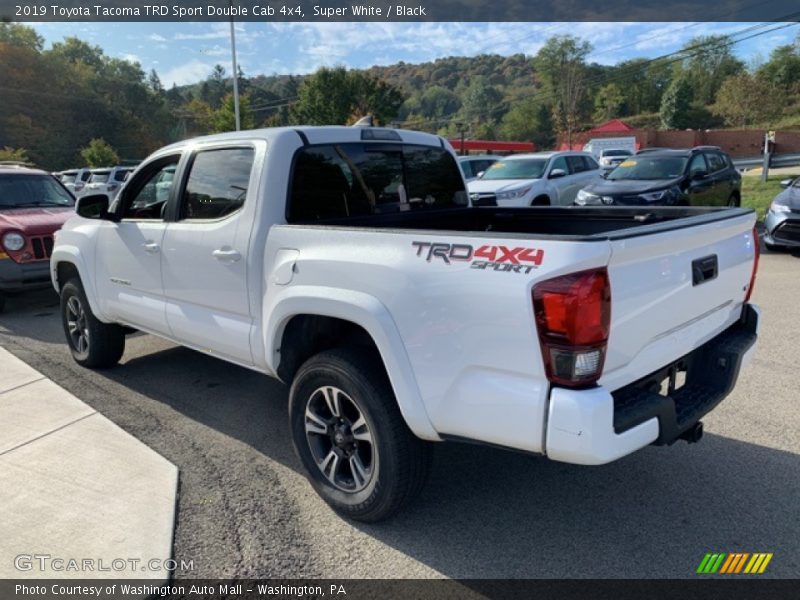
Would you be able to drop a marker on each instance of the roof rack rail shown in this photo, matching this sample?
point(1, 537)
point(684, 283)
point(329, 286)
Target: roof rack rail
point(652, 149)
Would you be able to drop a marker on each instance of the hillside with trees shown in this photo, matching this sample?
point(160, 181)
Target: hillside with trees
point(57, 100)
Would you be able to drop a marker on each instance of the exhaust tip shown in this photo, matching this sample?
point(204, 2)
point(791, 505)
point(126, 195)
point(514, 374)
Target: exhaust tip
point(694, 434)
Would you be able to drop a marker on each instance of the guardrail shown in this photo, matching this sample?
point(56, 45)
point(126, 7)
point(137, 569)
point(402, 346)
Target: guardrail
point(777, 160)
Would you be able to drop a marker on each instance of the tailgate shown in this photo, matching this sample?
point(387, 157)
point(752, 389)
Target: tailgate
point(672, 291)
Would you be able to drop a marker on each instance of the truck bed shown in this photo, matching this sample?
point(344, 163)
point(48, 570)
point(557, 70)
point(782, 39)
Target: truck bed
point(566, 223)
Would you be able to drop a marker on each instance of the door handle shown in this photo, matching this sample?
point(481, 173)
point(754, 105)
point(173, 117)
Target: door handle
point(151, 247)
point(226, 254)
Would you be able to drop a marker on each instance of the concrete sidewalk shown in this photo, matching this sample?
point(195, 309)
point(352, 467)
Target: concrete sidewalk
point(75, 488)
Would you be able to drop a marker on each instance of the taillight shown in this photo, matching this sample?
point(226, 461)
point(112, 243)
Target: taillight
point(757, 254)
point(573, 317)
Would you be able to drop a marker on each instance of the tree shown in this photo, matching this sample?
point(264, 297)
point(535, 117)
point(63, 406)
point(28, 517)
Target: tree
point(676, 105)
point(99, 154)
point(745, 100)
point(528, 120)
point(224, 118)
point(608, 102)
point(20, 35)
point(13, 154)
point(783, 66)
point(710, 61)
point(154, 83)
point(562, 65)
point(335, 96)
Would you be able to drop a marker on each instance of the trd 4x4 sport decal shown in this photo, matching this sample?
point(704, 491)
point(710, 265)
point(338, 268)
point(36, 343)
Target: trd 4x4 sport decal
point(494, 258)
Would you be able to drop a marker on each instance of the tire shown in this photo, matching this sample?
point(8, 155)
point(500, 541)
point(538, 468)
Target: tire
point(94, 344)
point(391, 468)
point(733, 201)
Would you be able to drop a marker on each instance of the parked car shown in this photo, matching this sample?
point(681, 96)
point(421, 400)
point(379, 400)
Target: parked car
point(596, 146)
point(33, 205)
point(782, 222)
point(348, 263)
point(537, 179)
point(474, 165)
point(82, 177)
point(612, 157)
point(108, 181)
point(701, 176)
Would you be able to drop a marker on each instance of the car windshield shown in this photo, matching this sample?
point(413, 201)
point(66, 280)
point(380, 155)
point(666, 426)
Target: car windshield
point(20, 191)
point(521, 168)
point(100, 177)
point(616, 153)
point(649, 167)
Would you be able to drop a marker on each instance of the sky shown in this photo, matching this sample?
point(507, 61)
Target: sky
point(184, 53)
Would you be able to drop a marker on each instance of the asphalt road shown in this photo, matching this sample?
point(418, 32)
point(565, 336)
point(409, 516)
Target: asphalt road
point(246, 510)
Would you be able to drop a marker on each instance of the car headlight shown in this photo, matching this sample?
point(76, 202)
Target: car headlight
point(513, 194)
point(661, 195)
point(584, 198)
point(776, 207)
point(13, 241)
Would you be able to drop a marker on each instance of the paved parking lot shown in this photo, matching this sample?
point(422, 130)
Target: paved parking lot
point(246, 510)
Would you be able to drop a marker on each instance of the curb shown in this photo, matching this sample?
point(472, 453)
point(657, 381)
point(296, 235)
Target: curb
point(80, 497)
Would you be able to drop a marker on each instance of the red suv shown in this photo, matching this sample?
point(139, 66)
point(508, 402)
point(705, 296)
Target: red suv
point(33, 206)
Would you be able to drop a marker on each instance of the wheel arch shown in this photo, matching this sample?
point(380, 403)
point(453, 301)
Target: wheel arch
point(66, 263)
point(306, 320)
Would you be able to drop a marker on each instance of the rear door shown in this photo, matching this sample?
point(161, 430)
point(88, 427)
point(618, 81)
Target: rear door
point(717, 169)
point(661, 308)
point(206, 249)
point(701, 190)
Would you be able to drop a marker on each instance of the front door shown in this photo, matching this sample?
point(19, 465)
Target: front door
point(129, 260)
point(205, 258)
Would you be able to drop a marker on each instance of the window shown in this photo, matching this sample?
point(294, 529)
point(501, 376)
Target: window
point(591, 163)
point(19, 190)
point(516, 168)
point(354, 179)
point(697, 165)
point(99, 177)
point(466, 167)
point(576, 164)
point(146, 196)
point(217, 184)
point(559, 163)
point(715, 162)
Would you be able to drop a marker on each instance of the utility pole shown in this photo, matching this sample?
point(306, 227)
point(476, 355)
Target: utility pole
point(235, 71)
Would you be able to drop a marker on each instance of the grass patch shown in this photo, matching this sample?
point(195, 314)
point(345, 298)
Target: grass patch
point(759, 194)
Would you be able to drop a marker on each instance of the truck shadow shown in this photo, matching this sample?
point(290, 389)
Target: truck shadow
point(488, 513)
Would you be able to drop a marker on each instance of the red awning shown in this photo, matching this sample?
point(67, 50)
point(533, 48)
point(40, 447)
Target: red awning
point(491, 146)
point(612, 126)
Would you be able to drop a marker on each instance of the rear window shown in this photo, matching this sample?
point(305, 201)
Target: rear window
point(617, 153)
point(100, 177)
point(357, 179)
point(70, 178)
point(19, 191)
point(121, 175)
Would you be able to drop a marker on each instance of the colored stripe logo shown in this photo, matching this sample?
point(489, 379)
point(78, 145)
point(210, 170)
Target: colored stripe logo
point(734, 563)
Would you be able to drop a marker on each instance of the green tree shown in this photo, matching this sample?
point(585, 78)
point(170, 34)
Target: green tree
point(20, 35)
point(676, 105)
point(335, 96)
point(710, 61)
point(528, 120)
point(608, 102)
point(783, 66)
point(13, 154)
point(745, 100)
point(224, 118)
point(561, 63)
point(99, 154)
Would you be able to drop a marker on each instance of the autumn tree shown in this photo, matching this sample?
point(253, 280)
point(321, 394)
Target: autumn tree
point(745, 100)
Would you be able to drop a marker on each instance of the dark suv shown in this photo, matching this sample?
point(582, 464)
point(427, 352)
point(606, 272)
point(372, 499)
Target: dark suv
point(701, 176)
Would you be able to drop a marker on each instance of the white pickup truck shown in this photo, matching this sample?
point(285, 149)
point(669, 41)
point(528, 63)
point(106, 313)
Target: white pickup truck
point(349, 263)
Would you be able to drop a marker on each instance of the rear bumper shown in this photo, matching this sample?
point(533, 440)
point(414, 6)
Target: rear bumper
point(595, 426)
point(17, 277)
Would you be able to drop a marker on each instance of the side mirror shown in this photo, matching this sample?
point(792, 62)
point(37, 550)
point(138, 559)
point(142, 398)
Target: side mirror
point(698, 175)
point(94, 206)
point(786, 183)
point(556, 173)
point(480, 174)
